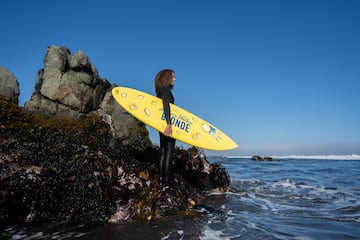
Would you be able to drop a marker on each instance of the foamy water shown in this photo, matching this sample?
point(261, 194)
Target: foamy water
point(295, 197)
point(314, 157)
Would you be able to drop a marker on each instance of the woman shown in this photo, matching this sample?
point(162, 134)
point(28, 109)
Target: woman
point(164, 82)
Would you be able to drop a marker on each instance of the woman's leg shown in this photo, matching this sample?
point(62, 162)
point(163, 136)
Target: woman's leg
point(170, 146)
point(167, 146)
point(162, 157)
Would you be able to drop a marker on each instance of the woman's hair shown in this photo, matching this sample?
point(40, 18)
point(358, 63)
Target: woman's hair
point(163, 78)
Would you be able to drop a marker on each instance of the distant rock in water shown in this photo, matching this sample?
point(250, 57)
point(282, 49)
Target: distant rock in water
point(9, 86)
point(69, 86)
point(258, 158)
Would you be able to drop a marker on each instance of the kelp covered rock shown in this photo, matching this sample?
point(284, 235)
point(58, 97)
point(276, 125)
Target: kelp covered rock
point(53, 169)
point(73, 155)
point(74, 170)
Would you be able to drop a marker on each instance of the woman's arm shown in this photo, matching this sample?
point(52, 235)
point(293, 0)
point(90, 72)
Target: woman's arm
point(165, 95)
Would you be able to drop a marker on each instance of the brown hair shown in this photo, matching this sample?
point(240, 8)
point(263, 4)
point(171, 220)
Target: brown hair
point(163, 78)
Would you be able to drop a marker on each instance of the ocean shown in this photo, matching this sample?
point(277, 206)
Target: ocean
point(292, 197)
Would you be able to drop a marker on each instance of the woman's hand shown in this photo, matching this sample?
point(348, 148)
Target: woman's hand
point(168, 130)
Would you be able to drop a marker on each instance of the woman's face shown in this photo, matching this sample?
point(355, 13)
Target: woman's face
point(172, 81)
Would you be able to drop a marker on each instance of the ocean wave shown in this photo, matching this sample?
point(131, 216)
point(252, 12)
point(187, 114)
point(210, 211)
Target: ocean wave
point(324, 157)
point(320, 157)
point(236, 156)
point(209, 233)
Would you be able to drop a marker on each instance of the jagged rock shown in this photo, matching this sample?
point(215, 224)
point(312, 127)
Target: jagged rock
point(9, 86)
point(56, 170)
point(69, 86)
point(73, 155)
point(124, 127)
point(203, 175)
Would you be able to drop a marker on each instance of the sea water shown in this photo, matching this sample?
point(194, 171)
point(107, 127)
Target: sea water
point(292, 197)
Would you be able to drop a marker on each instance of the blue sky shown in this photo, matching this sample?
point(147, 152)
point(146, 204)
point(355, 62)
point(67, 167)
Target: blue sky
point(279, 77)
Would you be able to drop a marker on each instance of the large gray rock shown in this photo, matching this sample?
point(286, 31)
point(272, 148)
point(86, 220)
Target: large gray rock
point(69, 86)
point(123, 126)
point(9, 86)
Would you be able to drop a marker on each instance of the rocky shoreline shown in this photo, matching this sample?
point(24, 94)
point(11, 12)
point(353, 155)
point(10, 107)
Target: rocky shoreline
point(71, 154)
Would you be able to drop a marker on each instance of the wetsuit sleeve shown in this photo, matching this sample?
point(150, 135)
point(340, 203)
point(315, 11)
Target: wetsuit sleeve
point(165, 95)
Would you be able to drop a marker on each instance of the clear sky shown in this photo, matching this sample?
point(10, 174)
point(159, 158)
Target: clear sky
point(279, 77)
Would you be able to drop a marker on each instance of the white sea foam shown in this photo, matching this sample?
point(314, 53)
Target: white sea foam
point(211, 234)
point(40, 235)
point(324, 157)
point(236, 156)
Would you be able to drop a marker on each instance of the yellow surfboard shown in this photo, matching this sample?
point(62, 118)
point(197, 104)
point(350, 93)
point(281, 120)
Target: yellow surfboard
point(187, 127)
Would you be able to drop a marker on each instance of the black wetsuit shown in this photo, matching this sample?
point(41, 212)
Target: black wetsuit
point(167, 144)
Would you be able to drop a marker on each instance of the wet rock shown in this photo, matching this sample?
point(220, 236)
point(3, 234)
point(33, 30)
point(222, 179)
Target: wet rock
point(56, 170)
point(258, 158)
point(192, 164)
point(72, 154)
point(9, 86)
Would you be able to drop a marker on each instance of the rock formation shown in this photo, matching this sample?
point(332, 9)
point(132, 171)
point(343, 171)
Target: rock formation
point(72, 155)
point(9, 86)
point(69, 86)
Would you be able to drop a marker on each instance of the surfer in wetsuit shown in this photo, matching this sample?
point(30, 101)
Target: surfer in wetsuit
point(164, 82)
